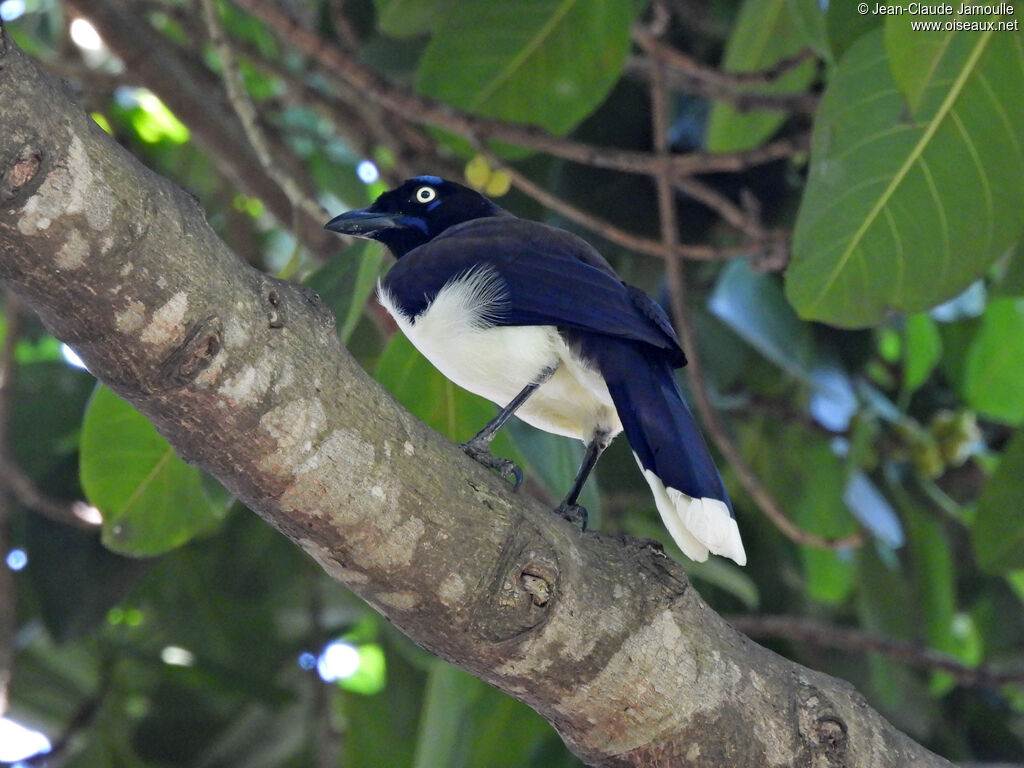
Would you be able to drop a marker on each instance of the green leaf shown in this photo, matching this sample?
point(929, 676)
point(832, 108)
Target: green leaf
point(902, 212)
point(346, 282)
point(885, 605)
point(450, 693)
point(935, 577)
point(998, 530)
point(410, 18)
point(915, 56)
point(373, 722)
point(151, 500)
point(845, 25)
point(994, 373)
point(541, 62)
point(467, 724)
point(764, 33)
point(923, 350)
point(809, 21)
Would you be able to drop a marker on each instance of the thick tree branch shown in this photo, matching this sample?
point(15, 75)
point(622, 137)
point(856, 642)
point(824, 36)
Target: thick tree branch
point(244, 376)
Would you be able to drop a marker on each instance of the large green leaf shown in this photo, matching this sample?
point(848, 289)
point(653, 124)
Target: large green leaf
point(764, 33)
point(901, 210)
point(151, 500)
point(998, 530)
point(544, 62)
point(994, 371)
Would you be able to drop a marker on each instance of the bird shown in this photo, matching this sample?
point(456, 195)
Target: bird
point(533, 318)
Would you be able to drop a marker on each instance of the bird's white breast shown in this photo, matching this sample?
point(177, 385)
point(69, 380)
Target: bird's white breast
point(455, 332)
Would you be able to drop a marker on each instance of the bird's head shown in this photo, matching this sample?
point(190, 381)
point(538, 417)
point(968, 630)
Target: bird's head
point(415, 213)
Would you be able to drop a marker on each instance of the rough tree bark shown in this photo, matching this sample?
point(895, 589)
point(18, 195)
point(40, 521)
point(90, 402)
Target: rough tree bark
point(242, 373)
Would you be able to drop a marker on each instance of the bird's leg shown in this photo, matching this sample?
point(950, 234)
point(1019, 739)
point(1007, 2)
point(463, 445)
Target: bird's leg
point(569, 509)
point(479, 447)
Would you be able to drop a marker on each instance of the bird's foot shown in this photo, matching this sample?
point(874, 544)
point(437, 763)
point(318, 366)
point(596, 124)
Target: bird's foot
point(507, 468)
point(574, 513)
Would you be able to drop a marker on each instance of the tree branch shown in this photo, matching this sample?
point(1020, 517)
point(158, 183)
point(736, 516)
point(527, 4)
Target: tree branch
point(244, 375)
point(851, 639)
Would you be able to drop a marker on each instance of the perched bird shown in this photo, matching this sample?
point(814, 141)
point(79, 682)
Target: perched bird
point(534, 319)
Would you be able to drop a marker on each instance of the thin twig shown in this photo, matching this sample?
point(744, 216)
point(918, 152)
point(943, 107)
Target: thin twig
point(8, 595)
point(247, 116)
point(801, 102)
point(678, 296)
point(419, 109)
point(723, 206)
point(75, 513)
point(363, 125)
point(342, 27)
point(675, 60)
point(329, 740)
point(607, 230)
point(82, 719)
point(855, 640)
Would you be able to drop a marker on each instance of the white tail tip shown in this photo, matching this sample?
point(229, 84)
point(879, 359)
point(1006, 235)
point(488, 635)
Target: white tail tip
point(699, 526)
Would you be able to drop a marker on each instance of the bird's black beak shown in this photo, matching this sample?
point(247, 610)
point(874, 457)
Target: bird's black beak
point(363, 222)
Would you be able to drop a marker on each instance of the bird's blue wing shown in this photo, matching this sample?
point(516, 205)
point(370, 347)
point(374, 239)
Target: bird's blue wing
point(549, 276)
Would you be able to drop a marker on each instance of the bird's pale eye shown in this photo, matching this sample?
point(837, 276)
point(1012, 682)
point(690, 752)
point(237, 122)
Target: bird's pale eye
point(425, 194)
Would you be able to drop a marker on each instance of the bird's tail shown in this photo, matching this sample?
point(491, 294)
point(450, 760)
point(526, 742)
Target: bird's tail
point(670, 450)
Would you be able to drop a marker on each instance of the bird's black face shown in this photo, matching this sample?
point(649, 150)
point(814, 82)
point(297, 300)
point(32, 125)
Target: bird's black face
point(415, 213)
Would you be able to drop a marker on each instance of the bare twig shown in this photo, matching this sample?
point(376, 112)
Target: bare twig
point(8, 596)
point(83, 717)
point(606, 229)
point(850, 639)
point(677, 294)
point(675, 60)
point(247, 116)
point(75, 513)
point(801, 102)
point(363, 125)
point(723, 206)
point(342, 27)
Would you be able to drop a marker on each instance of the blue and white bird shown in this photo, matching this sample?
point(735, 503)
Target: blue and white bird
point(534, 319)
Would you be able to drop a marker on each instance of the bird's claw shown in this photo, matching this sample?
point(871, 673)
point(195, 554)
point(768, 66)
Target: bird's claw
point(574, 513)
point(505, 467)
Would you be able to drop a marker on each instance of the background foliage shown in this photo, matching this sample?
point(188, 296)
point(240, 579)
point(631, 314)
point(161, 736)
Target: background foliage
point(876, 383)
